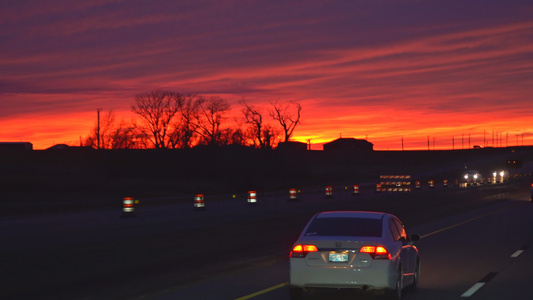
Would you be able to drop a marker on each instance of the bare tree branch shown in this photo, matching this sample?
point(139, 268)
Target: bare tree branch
point(253, 117)
point(287, 119)
point(157, 109)
point(212, 113)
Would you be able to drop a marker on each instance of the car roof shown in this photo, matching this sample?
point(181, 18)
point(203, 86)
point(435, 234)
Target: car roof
point(351, 214)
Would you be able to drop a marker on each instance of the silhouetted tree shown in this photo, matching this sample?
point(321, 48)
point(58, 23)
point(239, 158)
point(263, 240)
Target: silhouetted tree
point(253, 117)
point(288, 116)
point(270, 136)
point(157, 110)
point(238, 137)
point(210, 116)
point(263, 135)
point(107, 124)
point(126, 136)
point(185, 127)
point(113, 136)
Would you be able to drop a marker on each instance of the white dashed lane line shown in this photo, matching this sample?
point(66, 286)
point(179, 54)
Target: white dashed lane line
point(517, 253)
point(478, 285)
point(471, 291)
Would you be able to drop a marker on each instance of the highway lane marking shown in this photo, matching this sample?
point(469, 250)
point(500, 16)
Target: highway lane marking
point(458, 224)
point(520, 251)
point(471, 291)
point(517, 253)
point(263, 291)
point(478, 285)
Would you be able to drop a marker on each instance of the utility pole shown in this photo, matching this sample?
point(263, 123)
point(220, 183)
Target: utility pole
point(98, 128)
point(507, 139)
point(402, 143)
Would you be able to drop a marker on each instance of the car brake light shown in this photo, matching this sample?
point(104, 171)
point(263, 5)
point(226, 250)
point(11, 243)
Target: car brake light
point(368, 249)
point(300, 251)
point(376, 252)
point(381, 250)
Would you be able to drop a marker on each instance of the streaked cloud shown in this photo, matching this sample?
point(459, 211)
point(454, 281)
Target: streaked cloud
point(382, 69)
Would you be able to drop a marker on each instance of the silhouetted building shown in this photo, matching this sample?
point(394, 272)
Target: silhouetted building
point(67, 147)
point(349, 144)
point(292, 146)
point(16, 146)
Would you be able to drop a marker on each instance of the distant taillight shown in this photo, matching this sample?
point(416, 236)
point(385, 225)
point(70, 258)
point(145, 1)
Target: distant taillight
point(300, 251)
point(377, 252)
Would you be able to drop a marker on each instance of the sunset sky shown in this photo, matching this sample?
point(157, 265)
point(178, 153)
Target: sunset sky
point(446, 71)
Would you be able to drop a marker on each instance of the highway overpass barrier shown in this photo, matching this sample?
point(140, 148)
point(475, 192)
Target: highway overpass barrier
point(199, 203)
point(128, 207)
point(394, 183)
point(252, 197)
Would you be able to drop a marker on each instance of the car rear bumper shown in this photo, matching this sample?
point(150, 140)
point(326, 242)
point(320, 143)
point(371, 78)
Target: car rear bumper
point(382, 274)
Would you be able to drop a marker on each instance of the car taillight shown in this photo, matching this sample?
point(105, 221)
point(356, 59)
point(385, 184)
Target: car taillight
point(377, 252)
point(300, 251)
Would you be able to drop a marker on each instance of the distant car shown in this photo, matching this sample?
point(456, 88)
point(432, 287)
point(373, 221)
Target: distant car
point(368, 251)
point(472, 177)
point(500, 176)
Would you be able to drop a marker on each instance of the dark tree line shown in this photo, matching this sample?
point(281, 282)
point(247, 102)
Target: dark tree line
point(176, 121)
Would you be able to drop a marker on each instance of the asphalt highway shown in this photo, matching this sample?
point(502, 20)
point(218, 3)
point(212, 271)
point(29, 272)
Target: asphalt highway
point(475, 241)
point(481, 254)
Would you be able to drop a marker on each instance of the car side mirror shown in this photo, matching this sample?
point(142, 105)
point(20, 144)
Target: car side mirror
point(413, 237)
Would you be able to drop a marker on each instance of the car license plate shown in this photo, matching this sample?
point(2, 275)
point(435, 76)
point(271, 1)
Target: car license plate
point(338, 257)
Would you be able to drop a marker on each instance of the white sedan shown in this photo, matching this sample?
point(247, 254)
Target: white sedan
point(368, 251)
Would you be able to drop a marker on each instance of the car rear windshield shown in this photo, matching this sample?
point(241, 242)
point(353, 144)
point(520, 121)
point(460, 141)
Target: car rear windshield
point(345, 227)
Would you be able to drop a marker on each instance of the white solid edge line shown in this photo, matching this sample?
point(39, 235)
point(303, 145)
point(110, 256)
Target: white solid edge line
point(517, 253)
point(471, 291)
